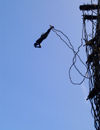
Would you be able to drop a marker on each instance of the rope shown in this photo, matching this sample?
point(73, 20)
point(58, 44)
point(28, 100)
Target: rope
point(70, 46)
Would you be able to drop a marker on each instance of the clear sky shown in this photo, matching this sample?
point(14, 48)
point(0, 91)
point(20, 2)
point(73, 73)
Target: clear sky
point(35, 90)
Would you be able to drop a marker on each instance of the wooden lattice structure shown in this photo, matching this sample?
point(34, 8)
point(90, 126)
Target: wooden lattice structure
point(91, 18)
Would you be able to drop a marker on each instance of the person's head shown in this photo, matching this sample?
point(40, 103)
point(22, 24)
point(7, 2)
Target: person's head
point(36, 45)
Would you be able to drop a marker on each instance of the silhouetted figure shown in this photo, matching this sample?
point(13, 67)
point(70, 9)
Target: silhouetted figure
point(93, 93)
point(43, 36)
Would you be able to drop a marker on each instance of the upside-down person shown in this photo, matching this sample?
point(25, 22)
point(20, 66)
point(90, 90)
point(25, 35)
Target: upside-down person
point(37, 44)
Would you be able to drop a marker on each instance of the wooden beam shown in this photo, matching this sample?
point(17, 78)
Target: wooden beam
point(90, 17)
point(88, 7)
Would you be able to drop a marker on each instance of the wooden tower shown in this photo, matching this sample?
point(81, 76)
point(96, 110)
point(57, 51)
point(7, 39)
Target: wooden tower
point(91, 30)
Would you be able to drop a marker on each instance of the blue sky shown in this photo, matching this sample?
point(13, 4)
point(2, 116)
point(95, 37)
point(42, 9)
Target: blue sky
point(35, 90)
